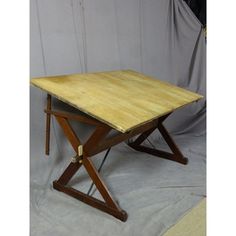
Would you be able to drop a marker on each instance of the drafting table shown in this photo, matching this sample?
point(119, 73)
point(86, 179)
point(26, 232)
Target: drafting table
point(129, 102)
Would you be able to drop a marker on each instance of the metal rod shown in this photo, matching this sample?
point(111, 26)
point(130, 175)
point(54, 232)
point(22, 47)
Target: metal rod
point(151, 143)
point(99, 169)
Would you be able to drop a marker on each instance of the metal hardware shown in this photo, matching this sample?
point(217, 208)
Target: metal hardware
point(80, 150)
point(75, 159)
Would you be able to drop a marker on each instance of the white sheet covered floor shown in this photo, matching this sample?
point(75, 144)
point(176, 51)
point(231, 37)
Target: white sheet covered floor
point(154, 192)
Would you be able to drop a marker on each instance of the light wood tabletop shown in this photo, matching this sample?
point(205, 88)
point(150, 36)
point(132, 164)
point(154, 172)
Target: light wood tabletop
point(123, 99)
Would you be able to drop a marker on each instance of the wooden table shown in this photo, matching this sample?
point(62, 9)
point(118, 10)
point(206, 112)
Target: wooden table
point(127, 101)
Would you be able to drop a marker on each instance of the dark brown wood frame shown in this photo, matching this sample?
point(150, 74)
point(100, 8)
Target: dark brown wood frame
point(98, 143)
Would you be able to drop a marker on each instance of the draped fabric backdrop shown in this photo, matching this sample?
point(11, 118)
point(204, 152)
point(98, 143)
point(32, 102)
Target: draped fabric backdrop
point(162, 38)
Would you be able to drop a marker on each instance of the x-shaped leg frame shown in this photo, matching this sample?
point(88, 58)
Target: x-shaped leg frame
point(175, 156)
point(96, 144)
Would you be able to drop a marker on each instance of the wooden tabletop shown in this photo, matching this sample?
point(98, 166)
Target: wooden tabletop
point(122, 99)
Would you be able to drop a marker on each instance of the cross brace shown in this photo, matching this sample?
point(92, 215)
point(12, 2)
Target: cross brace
point(98, 143)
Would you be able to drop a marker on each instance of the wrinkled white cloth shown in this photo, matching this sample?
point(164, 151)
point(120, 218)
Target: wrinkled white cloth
point(154, 192)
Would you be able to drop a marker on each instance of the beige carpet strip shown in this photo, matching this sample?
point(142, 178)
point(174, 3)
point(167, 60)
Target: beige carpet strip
point(192, 224)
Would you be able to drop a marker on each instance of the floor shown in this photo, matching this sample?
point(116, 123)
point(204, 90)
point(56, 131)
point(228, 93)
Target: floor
point(156, 193)
point(193, 223)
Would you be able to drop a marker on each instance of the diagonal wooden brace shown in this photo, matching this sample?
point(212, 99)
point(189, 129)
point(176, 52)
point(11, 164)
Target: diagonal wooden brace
point(175, 156)
point(94, 202)
point(109, 206)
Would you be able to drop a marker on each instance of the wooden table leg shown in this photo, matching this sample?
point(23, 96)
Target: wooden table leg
point(48, 124)
point(175, 156)
point(96, 203)
point(69, 173)
point(109, 205)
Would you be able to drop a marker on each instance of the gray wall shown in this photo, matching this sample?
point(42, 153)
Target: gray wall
point(73, 36)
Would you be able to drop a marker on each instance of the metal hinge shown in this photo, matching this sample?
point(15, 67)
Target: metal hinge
point(79, 156)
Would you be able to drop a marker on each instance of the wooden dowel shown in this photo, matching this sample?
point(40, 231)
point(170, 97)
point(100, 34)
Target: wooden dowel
point(48, 124)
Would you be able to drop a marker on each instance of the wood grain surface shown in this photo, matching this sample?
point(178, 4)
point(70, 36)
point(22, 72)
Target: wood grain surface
point(122, 99)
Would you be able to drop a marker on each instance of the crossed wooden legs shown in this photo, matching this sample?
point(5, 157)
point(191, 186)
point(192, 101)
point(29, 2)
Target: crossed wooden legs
point(109, 206)
point(97, 143)
point(175, 156)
